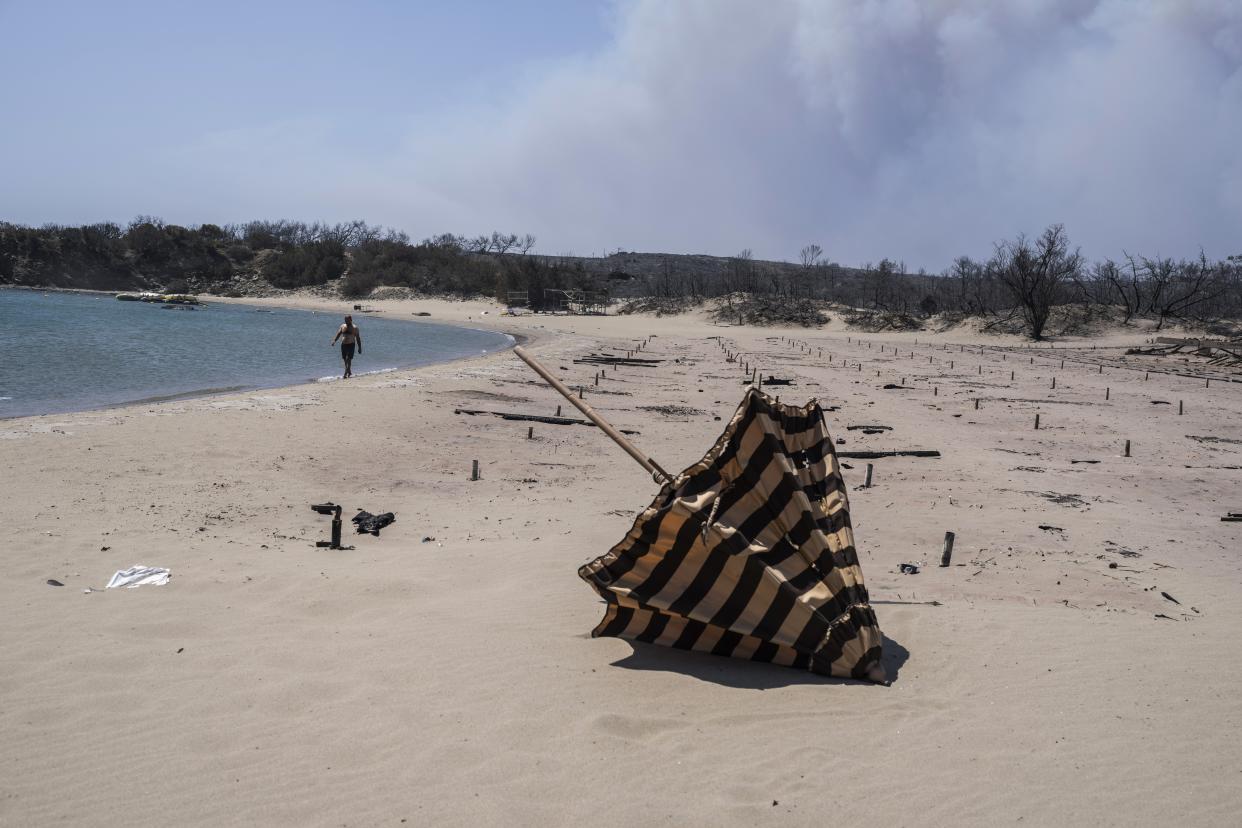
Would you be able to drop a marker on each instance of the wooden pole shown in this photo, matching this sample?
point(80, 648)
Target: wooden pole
point(1037, 422)
point(617, 437)
point(1127, 448)
point(474, 469)
point(947, 555)
point(870, 468)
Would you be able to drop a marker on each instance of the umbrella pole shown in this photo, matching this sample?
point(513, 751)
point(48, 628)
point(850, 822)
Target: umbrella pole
point(643, 460)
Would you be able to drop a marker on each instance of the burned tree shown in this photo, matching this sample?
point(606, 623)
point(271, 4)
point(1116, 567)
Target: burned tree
point(1035, 274)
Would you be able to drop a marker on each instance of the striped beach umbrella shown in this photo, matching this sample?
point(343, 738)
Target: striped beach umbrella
point(749, 553)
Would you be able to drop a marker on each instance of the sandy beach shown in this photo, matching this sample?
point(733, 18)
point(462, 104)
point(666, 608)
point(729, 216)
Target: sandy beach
point(1077, 664)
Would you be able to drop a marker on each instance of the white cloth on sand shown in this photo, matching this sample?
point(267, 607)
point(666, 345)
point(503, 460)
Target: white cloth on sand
point(139, 575)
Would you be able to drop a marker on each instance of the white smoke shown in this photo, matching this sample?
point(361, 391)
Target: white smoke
point(913, 129)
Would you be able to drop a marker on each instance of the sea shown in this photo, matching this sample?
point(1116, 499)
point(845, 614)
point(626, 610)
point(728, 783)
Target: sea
point(62, 352)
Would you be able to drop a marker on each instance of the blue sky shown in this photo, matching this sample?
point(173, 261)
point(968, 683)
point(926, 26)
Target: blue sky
point(913, 129)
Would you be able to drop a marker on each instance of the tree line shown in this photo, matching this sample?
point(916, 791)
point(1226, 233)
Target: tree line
point(1021, 283)
point(149, 253)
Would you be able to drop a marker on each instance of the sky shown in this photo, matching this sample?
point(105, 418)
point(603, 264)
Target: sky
point(917, 130)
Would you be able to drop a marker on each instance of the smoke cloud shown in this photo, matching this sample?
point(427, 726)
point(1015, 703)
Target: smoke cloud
point(913, 129)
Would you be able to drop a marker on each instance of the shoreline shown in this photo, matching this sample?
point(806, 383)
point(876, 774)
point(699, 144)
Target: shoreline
point(299, 304)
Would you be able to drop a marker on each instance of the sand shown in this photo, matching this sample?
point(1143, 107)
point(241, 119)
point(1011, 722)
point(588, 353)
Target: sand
point(442, 674)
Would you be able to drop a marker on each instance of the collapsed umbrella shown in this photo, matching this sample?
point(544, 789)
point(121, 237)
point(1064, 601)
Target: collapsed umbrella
point(748, 553)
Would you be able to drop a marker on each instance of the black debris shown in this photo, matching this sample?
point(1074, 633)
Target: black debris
point(367, 522)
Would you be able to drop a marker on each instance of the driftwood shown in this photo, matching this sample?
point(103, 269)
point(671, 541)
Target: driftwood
point(604, 359)
point(536, 418)
point(871, 455)
point(869, 429)
point(769, 381)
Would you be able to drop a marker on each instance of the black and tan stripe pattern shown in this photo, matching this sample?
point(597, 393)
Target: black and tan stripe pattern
point(748, 553)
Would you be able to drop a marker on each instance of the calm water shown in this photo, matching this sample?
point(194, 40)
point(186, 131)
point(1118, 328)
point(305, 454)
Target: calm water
point(69, 352)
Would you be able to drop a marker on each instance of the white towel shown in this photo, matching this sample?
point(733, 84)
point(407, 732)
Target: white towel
point(139, 575)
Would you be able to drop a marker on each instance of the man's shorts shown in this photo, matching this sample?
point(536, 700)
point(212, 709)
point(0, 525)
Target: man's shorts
point(347, 350)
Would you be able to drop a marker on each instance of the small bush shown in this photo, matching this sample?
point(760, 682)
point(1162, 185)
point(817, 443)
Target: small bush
point(771, 310)
point(311, 264)
point(876, 321)
point(358, 284)
point(659, 305)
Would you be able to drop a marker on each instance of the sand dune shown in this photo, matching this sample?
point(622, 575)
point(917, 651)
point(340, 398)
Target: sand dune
point(442, 673)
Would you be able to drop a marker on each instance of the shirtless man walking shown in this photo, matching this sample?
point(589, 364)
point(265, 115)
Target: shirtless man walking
point(350, 337)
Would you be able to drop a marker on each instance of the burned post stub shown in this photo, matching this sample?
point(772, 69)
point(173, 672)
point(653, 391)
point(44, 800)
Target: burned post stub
point(330, 508)
point(947, 555)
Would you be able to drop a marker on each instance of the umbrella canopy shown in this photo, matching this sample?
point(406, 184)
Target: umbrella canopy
point(749, 553)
